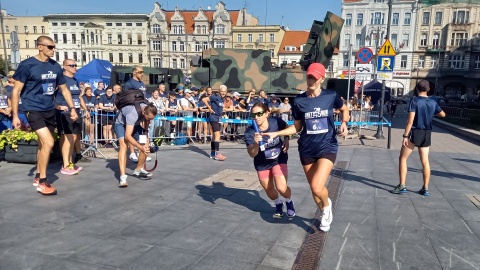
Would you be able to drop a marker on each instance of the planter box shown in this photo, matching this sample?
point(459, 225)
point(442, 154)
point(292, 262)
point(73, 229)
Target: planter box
point(26, 153)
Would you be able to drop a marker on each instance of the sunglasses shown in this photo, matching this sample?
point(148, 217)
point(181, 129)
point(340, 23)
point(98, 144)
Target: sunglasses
point(50, 47)
point(259, 114)
point(140, 72)
point(72, 65)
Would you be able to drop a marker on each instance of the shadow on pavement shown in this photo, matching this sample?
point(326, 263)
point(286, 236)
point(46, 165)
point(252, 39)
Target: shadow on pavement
point(350, 176)
point(468, 160)
point(251, 200)
point(449, 175)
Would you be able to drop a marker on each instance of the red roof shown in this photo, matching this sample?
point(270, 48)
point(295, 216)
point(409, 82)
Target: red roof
point(189, 16)
point(293, 38)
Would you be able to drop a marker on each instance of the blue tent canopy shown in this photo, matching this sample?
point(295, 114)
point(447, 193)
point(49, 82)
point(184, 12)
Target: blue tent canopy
point(96, 71)
point(374, 89)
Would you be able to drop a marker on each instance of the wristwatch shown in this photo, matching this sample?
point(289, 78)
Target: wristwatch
point(405, 136)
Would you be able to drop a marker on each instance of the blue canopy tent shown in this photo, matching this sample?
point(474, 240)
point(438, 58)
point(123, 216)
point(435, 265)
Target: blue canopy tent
point(96, 71)
point(374, 89)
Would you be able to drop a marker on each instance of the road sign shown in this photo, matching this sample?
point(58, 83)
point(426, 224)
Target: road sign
point(363, 72)
point(387, 49)
point(385, 76)
point(386, 64)
point(364, 55)
point(363, 77)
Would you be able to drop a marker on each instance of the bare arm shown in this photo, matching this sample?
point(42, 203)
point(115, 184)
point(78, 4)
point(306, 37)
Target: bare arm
point(132, 141)
point(206, 101)
point(17, 88)
point(441, 114)
point(408, 127)
point(253, 149)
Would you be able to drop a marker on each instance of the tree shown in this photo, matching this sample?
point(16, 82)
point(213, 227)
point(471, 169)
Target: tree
point(2, 66)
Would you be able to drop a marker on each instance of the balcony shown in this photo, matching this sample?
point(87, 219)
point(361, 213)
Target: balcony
point(459, 26)
point(435, 49)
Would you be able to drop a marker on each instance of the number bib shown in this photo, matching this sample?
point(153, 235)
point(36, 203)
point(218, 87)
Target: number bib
point(49, 88)
point(273, 153)
point(3, 103)
point(317, 125)
point(76, 102)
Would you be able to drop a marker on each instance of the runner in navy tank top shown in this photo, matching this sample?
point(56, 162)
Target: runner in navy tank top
point(317, 146)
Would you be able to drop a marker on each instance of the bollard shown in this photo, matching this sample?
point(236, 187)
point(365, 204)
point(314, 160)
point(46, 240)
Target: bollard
point(389, 136)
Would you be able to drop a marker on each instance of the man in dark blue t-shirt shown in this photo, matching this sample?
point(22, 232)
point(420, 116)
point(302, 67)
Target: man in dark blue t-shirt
point(135, 83)
point(215, 105)
point(418, 133)
point(100, 91)
point(37, 79)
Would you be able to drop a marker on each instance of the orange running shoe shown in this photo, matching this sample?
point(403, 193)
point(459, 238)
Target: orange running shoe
point(46, 189)
point(219, 157)
point(36, 180)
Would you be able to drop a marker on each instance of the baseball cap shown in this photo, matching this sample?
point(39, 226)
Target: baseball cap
point(423, 85)
point(317, 70)
point(236, 94)
point(187, 91)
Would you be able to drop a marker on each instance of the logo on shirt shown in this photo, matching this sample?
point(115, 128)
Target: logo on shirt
point(74, 87)
point(273, 142)
point(317, 113)
point(49, 75)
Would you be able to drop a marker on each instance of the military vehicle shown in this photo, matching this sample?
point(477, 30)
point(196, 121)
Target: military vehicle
point(243, 69)
point(152, 77)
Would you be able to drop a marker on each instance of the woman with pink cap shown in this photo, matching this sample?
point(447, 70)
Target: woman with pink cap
point(317, 146)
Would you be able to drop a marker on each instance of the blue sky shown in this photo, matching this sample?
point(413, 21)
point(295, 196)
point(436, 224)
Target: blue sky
point(297, 14)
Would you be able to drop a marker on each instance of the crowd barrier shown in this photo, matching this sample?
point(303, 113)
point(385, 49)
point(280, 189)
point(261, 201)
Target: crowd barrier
point(461, 113)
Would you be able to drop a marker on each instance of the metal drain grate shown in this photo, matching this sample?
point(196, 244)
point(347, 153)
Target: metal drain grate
point(475, 199)
point(312, 247)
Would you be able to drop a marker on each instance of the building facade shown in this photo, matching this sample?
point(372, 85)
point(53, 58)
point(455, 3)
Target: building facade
point(366, 26)
point(259, 37)
point(177, 37)
point(291, 48)
point(119, 38)
point(28, 29)
point(447, 47)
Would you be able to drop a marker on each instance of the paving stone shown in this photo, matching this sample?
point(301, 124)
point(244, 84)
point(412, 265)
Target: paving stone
point(243, 250)
point(257, 229)
point(14, 258)
point(406, 252)
point(456, 250)
point(356, 217)
point(280, 257)
point(145, 234)
point(399, 220)
point(62, 264)
point(220, 263)
point(344, 251)
point(191, 241)
point(164, 258)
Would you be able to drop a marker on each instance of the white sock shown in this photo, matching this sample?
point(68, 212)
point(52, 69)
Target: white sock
point(288, 199)
point(277, 200)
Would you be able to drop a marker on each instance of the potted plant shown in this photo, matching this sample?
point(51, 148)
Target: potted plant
point(21, 145)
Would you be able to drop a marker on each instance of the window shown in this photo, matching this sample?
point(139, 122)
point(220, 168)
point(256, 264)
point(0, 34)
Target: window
point(157, 62)
point(198, 28)
point(119, 39)
point(109, 38)
point(130, 58)
point(84, 56)
point(395, 18)
point(403, 61)
point(63, 24)
point(272, 37)
point(426, 18)
point(139, 39)
point(434, 61)
point(345, 60)
point(407, 19)
point(360, 19)
point(81, 24)
point(128, 24)
point(64, 36)
point(34, 29)
point(182, 63)
point(120, 57)
point(92, 37)
point(330, 66)
point(43, 29)
point(358, 40)
point(182, 46)
point(65, 55)
point(436, 39)
point(26, 29)
point(110, 57)
point(27, 44)
point(53, 24)
point(174, 63)
point(118, 24)
point(347, 40)
point(220, 29)
point(35, 41)
point(219, 44)
point(156, 45)
point(74, 39)
point(250, 38)
point(138, 24)
point(198, 46)
point(394, 39)
point(477, 62)
point(423, 40)
point(109, 24)
point(204, 29)
point(406, 38)
point(239, 37)
point(460, 16)
point(156, 29)
point(57, 56)
point(205, 45)
point(93, 55)
point(421, 61)
point(456, 61)
point(129, 39)
point(260, 37)
point(348, 19)
point(377, 18)
point(75, 56)
point(180, 29)
point(175, 29)
point(174, 46)
point(55, 38)
point(459, 39)
point(73, 24)
point(438, 18)
point(82, 37)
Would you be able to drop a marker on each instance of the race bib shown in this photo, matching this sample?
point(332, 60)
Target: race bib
point(3, 103)
point(273, 153)
point(49, 88)
point(76, 103)
point(317, 125)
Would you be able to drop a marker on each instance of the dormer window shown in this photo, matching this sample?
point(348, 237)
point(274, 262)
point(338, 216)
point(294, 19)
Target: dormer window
point(156, 28)
point(178, 29)
point(220, 29)
point(290, 48)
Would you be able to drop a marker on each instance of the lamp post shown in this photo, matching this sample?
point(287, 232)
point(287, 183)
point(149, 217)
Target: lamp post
point(377, 30)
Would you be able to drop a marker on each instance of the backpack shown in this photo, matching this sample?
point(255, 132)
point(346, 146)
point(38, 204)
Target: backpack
point(131, 97)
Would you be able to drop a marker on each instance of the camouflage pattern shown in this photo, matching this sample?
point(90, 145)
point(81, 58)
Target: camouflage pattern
point(152, 77)
point(323, 39)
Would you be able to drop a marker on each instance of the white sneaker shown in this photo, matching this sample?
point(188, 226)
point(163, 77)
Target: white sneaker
point(123, 181)
point(133, 158)
point(327, 217)
point(148, 158)
point(145, 172)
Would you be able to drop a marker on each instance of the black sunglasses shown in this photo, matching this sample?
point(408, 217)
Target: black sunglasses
point(50, 47)
point(259, 114)
point(72, 65)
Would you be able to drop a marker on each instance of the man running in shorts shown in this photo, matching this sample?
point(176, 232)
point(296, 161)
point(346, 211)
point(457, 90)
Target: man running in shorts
point(37, 78)
point(270, 158)
point(214, 104)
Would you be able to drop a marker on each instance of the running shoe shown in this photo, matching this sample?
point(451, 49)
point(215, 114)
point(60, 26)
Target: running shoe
point(400, 189)
point(278, 210)
point(145, 172)
point(148, 158)
point(141, 175)
point(327, 217)
point(290, 209)
point(219, 157)
point(46, 189)
point(133, 158)
point(424, 192)
point(75, 167)
point(123, 181)
point(68, 171)
point(36, 180)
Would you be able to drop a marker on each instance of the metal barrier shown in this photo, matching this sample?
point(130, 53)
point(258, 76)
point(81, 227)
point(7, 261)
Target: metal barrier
point(461, 113)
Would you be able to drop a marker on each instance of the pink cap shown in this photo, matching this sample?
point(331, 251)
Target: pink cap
point(317, 70)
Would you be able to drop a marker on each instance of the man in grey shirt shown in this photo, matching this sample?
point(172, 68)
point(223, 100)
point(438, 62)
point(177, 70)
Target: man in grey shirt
point(129, 127)
point(285, 109)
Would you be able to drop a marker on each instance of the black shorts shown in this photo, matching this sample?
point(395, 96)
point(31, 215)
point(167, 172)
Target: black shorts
point(65, 125)
point(107, 120)
point(41, 119)
point(216, 126)
point(421, 137)
point(310, 160)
